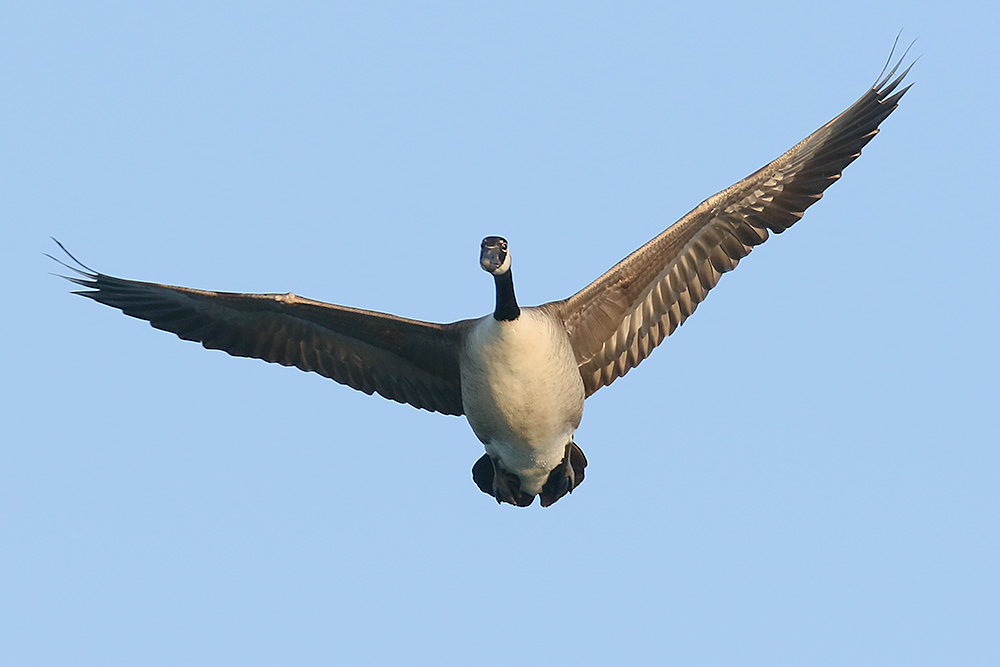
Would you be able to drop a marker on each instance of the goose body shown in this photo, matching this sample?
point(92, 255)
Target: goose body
point(520, 375)
point(522, 392)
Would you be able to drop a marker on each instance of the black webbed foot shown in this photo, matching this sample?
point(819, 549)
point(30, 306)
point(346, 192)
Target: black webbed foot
point(492, 479)
point(564, 477)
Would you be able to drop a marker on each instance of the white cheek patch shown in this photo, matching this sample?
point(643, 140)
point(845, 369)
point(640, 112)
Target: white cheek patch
point(505, 267)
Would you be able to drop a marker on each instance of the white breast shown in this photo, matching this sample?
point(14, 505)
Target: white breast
point(522, 392)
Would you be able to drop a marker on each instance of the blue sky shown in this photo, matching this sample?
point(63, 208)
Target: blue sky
point(805, 473)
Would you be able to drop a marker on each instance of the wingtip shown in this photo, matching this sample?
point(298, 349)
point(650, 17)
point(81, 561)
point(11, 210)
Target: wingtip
point(887, 80)
point(87, 271)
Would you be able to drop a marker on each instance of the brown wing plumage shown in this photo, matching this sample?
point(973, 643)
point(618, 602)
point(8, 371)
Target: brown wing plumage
point(616, 321)
point(404, 360)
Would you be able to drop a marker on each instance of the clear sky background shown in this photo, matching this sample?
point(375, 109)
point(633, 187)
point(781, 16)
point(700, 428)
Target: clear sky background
point(806, 473)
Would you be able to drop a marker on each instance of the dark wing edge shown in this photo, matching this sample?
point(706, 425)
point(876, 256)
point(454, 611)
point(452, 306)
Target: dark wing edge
point(403, 360)
point(616, 321)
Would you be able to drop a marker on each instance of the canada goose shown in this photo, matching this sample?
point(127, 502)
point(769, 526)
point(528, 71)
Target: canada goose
point(520, 375)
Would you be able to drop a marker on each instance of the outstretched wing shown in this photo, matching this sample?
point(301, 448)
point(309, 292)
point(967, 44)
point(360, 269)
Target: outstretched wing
point(404, 360)
point(616, 321)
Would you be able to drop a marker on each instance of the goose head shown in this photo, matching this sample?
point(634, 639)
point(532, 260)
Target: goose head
point(494, 258)
point(493, 255)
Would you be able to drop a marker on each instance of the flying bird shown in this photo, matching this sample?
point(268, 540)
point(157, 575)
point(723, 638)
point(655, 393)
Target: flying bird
point(520, 375)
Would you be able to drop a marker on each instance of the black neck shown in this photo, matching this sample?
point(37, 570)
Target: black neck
point(507, 309)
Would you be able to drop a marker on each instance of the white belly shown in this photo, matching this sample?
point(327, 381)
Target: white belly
point(522, 393)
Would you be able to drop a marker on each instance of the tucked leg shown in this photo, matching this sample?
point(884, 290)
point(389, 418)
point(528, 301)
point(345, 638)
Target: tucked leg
point(492, 479)
point(564, 477)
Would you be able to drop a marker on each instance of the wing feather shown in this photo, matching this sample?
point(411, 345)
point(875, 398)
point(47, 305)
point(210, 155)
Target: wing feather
point(616, 321)
point(404, 360)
